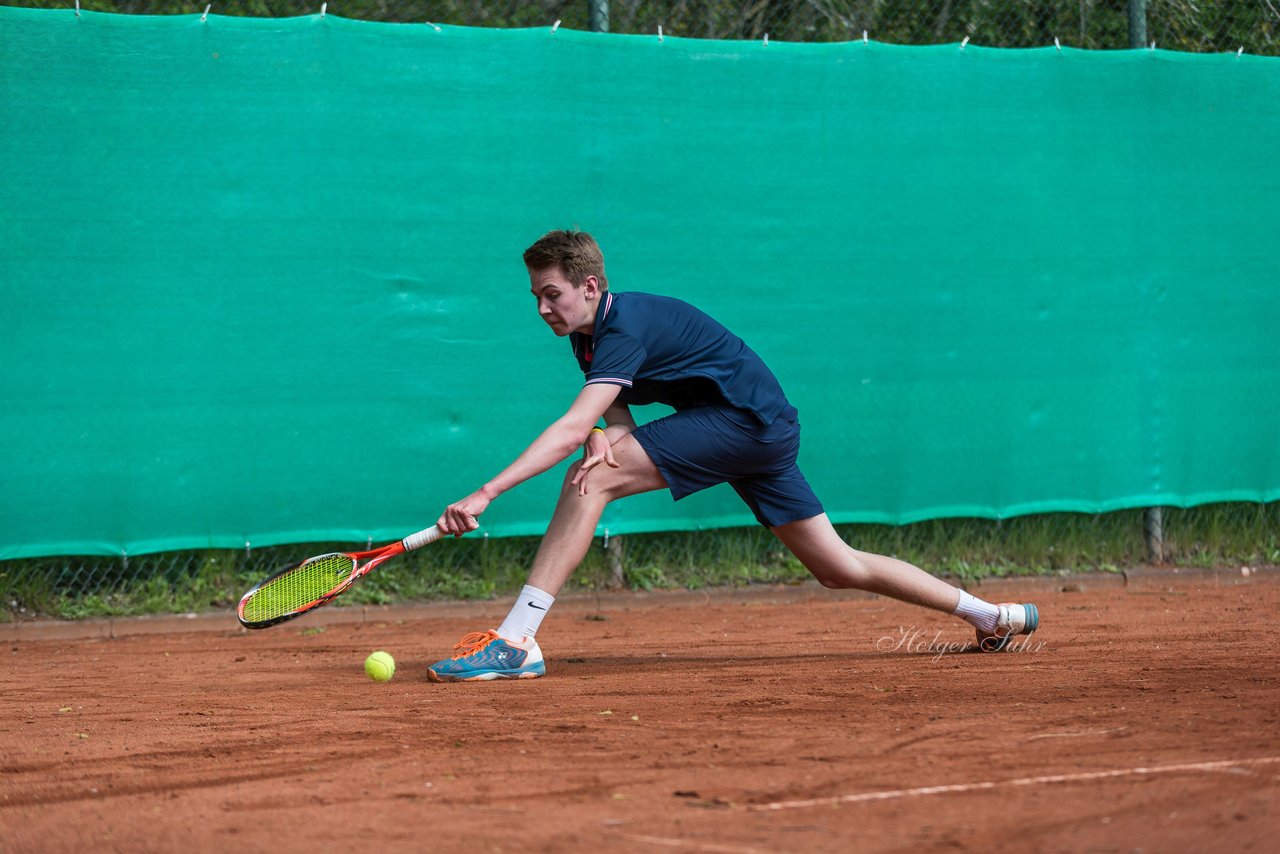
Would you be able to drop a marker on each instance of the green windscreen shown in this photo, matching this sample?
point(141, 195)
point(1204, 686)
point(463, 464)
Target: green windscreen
point(261, 279)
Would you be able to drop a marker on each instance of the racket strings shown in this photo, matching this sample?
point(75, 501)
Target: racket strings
point(301, 586)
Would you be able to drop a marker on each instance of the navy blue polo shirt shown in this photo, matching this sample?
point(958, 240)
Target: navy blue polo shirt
point(663, 350)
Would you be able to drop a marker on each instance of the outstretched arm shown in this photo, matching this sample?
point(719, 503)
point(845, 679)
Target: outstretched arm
point(565, 435)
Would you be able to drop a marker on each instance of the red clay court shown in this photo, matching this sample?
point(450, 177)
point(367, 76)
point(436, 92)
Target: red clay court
point(1144, 715)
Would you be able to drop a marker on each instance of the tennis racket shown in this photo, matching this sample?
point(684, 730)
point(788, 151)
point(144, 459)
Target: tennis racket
point(316, 581)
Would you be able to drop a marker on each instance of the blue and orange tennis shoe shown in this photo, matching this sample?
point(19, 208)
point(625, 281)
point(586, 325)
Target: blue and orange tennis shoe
point(486, 655)
point(1013, 620)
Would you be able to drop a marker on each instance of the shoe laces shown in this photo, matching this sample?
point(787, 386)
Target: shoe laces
point(473, 642)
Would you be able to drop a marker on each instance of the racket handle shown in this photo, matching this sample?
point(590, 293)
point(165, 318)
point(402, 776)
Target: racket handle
point(420, 539)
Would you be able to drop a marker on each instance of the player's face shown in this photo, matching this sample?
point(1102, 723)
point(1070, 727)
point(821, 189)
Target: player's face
point(565, 308)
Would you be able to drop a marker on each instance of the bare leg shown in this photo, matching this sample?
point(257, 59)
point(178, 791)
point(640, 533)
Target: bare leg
point(574, 523)
point(835, 564)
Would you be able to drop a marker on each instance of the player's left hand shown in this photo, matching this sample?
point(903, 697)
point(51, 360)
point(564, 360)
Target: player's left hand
point(596, 450)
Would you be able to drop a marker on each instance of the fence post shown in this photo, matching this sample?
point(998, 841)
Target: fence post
point(598, 16)
point(1152, 517)
point(1153, 528)
point(613, 560)
point(1137, 23)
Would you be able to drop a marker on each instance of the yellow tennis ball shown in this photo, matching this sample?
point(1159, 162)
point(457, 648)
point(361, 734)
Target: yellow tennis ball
point(380, 666)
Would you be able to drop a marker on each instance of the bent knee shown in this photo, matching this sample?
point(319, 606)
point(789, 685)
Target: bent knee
point(567, 485)
point(602, 482)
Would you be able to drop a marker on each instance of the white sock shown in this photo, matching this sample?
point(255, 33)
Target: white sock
point(526, 615)
point(977, 613)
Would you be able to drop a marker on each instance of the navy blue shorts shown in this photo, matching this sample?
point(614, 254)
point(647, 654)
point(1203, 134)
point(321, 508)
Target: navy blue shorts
point(706, 445)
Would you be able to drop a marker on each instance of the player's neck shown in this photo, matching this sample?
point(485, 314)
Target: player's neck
point(589, 328)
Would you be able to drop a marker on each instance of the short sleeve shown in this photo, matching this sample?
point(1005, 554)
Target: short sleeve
point(616, 361)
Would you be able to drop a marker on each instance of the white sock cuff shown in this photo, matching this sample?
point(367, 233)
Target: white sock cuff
point(977, 613)
point(539, 597)
point(526, 614)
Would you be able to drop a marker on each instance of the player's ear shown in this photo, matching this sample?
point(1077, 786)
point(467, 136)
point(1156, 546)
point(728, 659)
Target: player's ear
point(592, 286)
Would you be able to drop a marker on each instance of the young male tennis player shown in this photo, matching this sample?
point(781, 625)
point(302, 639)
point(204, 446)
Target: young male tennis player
point(732, 425)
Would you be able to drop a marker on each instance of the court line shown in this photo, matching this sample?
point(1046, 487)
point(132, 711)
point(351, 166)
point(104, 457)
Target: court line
point(1077, 734)
point(1005, 784)
point(688, 843)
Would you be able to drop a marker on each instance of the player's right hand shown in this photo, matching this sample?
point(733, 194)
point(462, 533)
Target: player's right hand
point(460, 517)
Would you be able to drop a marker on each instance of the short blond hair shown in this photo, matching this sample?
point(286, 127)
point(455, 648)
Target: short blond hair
point(576, 253)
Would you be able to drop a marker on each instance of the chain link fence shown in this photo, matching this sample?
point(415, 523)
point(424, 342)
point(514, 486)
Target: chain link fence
point(1185, 25)
point(966, 549)
point(1243, 533)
